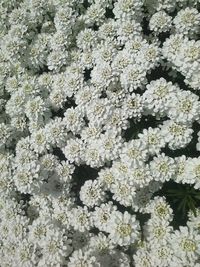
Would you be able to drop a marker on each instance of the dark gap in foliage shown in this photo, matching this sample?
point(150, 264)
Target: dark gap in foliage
point(158, 73)
point(58, 152)
point(103, 94)
point(43, 70)
point(87, 74)
point(145, 26)
point(57, 113)
point(95, 27)
point(109, 13)
point(86, 4)
point(163, 36)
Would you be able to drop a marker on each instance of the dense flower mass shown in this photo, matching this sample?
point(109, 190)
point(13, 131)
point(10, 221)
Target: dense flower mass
point(99, 109)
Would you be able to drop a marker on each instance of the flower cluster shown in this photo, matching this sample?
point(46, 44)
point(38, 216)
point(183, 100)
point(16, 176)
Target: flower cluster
point(95, 98)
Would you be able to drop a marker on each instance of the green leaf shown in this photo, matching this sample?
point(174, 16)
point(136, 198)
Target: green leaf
point(197, 197)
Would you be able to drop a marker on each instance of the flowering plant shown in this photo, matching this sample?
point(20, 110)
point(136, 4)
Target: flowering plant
point(99, 133)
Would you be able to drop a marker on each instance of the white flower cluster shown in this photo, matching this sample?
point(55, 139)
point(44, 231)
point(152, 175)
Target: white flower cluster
point(77, 170)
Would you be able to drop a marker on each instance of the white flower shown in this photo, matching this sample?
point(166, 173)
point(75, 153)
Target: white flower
point(55, 248)
point(93, 155)
point(16, 229)
point(193, 220)
point(35, 108)
point(95, 14)
point(153, 140)
point(93, 131)
point(39, 141)
point(188, 59)
point(157, 232)
point(158, 96)
point(56, 59)
point(61, 213)
point(73, 79)
point(39, 229)
point(127, 29)
point(5, 134)
point(162, 168)
point(159, 209)
point(36, 54)
point(121, 60)
point(59, 41)
point(105, 52)
point(177, 135)
point(172, 46)
point(85, 94)
point(91, 193)
point(184, 107)
point(86, 60)
point(65, 170)
point(164, 256)
point(133, 152)
point(98, 111)
point(127, 9)
point(56, 132)
point(48, 162)
point(142, 258)
point(135, 45)
point(100, 245)
point(180, 175)
point(133, 77)
point(6, 180)
point(73, 120)
point(106, 177)
point(102, 215)
point(73, 150)
point(30, 87)
point(160, 22)
point(192, 170)
point(86, 39)
point(12, 84)
point(187, 21)
point(186, 243)
point(64, 17)
point(80, 219)
point(25, 254)
point(148, 57)
point(133, 106)
point(102, 75)
point(116, 120)
point(123, 191)
point(125, 229)
point(82, 258)
point(27, 179)
point(110, 145)
point(140, 175)
point(57, 98)
point(193, 79)
point(15, 105)
point(19, 123)
point(120, 169)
